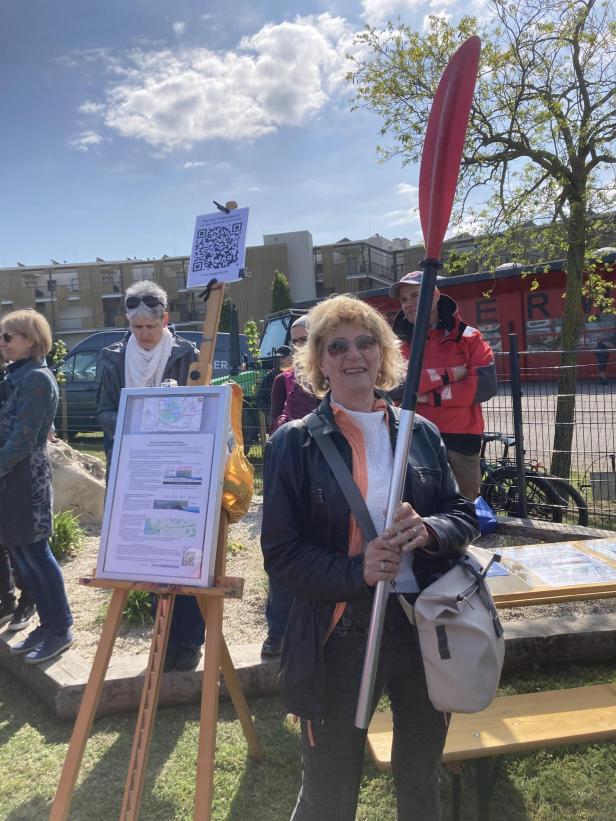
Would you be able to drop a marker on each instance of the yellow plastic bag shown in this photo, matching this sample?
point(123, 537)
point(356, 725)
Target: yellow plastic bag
point(239, 473)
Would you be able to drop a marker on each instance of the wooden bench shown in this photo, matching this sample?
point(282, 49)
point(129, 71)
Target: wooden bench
point(511, 724)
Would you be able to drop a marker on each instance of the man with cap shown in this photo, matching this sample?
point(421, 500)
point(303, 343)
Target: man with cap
point(458, 374)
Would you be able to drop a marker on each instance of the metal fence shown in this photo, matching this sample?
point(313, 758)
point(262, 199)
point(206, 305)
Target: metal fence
point(593, 451)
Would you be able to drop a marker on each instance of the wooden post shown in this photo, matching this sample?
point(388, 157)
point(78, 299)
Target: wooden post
point(87, 708)
point(147, 709)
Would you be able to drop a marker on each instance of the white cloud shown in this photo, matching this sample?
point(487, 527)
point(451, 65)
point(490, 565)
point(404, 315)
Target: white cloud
point(281, 76)
point(409, 213)
point(85, 141)
point(441, 12)
point(377, 12)
point(91, 108)
point(407, 190)
point(179, 27)
point(195, 164)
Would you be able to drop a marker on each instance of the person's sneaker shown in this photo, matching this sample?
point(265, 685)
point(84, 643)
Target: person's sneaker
point(21, 617)
point(50, 648)
point(32, 640)
point(187, 658)
point(271, 647)
point(7, 610)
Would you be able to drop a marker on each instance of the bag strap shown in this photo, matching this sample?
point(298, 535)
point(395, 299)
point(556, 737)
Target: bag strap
point(481, 588)
point(315, 424)
point(342, 474)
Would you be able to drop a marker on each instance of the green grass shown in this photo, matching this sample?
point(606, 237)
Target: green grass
point(568, 783)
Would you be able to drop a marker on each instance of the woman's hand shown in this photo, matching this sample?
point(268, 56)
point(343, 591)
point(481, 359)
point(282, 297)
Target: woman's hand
point(382, 556)
point(381, 561)
point(408, 530)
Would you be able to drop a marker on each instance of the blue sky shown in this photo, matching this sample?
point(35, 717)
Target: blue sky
point(124, 119)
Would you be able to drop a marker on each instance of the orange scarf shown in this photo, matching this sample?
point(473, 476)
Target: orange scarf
point(355, 437)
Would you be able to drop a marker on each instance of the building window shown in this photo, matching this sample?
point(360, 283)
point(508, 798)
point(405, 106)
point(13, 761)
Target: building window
point(141, 272)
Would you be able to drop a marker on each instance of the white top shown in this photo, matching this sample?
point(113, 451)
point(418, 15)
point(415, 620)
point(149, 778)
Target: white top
point(379, 467)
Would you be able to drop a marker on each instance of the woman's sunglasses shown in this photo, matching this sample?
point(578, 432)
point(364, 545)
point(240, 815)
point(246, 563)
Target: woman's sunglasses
point(7, 337)
point(149, 300)
point(338, 347)
point(300, 340)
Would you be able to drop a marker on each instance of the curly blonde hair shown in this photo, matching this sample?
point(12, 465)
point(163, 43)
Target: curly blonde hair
point(323, 320)
point(33, 326)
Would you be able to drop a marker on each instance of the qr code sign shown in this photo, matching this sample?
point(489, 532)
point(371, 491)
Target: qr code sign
point(188, 558)
point(217, 247)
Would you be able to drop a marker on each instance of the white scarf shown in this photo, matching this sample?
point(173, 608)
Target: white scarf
point(145, 369)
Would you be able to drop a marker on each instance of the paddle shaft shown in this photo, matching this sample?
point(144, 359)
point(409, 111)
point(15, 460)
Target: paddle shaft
point(364, 710)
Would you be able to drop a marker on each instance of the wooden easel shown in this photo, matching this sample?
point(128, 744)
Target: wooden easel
point(216, 657)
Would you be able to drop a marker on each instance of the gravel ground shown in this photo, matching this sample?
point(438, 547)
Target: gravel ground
point(244, 620)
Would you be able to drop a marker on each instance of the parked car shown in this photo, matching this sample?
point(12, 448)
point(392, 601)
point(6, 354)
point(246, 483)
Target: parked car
point(82, 375)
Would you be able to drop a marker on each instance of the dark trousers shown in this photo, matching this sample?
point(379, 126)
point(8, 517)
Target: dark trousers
point(332, 768)
point(277, 610)
point(187, 628)
point(187, 625)
point(8, 580)
point(43, 577)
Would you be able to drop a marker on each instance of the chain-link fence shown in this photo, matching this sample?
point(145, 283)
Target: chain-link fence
point(586, 417)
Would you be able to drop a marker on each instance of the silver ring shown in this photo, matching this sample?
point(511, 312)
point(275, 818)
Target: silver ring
point(383, 566)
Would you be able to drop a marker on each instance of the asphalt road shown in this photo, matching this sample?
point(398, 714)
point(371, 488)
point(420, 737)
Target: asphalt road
point(593, 427)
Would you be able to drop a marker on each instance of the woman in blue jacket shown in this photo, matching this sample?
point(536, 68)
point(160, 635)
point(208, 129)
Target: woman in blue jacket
point(26, 417)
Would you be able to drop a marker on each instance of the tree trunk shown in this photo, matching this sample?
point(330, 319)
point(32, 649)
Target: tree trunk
point(572, 324)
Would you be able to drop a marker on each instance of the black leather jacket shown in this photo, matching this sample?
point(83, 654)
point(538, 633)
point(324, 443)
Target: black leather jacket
point(183, 354)
point(305, 536)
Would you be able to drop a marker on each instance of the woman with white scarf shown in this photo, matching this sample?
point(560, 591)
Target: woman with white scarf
point(148, 355)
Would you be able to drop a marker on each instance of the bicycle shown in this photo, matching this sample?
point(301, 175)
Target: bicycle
point(549, 498)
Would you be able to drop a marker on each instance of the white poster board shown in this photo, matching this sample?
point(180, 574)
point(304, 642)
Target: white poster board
point(165, 486)
point(219, 248)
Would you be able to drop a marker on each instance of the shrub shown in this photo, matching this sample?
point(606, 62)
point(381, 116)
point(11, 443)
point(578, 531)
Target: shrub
point(68, 535)
point(138, 609)
point(233, 548)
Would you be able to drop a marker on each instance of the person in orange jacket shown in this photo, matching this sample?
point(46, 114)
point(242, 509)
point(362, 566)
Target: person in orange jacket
point(458, 374)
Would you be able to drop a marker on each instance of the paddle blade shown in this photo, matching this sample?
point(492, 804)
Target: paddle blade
point(444, 142)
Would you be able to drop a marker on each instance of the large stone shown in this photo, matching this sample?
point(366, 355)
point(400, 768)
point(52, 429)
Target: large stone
point(78, 482)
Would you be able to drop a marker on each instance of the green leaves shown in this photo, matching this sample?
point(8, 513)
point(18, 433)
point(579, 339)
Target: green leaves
point(252, 337)
point(281, 292)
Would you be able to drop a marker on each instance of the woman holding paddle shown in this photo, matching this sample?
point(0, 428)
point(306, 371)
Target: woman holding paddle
point(314, 548)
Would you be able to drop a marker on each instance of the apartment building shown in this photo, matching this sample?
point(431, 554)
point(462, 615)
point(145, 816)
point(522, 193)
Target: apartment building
point(80, 299)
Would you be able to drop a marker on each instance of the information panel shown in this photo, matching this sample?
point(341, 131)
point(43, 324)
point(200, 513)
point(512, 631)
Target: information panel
point(556, 566)
point(165, 486)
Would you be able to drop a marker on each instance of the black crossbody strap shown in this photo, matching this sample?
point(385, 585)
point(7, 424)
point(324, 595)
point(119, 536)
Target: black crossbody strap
point(342, 474)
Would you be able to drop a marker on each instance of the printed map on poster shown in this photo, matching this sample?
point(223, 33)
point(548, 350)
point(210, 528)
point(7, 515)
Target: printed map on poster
point(172, 414)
